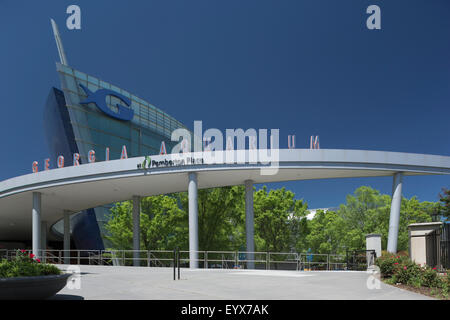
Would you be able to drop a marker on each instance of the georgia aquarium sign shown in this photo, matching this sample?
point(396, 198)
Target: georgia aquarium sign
point(99, 99)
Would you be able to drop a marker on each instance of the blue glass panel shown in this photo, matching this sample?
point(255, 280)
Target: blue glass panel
point(92, 87)
point(71, 84)
point(93, 80)
point(66, 69)
point(105, 85)
point(114, 88)
point(80, 75)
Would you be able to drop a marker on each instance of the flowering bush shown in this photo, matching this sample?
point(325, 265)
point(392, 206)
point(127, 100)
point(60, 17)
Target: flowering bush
point(391, 264)
point(410, 274)
point(26, 265)
point(400, 269)
point(431, 278)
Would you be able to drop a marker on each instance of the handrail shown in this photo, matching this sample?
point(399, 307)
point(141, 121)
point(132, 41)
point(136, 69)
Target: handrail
point(224, 259)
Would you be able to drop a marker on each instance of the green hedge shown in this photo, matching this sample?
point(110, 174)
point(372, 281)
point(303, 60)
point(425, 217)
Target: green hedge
point(26, 265)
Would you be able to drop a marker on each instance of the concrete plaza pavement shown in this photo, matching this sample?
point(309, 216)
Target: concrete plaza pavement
point(137, 283)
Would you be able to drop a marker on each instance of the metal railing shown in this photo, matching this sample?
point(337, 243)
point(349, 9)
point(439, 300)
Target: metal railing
point(205, 259)
point(359, 259)
point(283, 261)
point(337, 262)
point(314, 261)
point(445, 246)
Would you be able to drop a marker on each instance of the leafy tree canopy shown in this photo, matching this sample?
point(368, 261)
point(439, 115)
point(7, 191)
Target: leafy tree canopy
point(280, 221)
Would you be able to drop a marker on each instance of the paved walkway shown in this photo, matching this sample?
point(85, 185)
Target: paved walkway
point(103, 282)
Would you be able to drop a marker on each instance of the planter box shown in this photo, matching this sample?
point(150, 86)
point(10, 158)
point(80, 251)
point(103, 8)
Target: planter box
point(36, 288)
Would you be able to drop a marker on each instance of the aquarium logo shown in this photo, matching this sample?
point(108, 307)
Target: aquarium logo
point(99, 99)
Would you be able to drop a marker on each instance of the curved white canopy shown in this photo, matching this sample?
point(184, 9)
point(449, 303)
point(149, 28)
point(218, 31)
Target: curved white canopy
point(91, 185)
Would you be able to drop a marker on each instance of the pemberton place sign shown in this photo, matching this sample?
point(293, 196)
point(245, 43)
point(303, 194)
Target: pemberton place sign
point(148, 162)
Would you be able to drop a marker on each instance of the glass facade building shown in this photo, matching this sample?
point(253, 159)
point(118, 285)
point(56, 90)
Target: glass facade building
point(94, 130)
point(74, 127)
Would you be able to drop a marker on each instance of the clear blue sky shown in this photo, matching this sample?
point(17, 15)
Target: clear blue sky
point(305, 67)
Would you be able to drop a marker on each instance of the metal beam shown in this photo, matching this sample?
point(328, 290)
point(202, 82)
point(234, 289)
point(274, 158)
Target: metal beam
point(59, 45)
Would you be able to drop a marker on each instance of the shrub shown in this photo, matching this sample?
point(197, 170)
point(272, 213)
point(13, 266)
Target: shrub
point(24, 265)
point(445, 286)
point(392, 280)
point(391, 264)
point(410, 274)
point(415, 282)
point(430, 278)
point(400, 269)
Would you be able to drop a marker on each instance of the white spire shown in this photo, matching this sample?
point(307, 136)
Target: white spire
point(62, 55)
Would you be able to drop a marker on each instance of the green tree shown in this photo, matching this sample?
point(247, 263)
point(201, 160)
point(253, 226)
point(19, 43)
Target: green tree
point(219, 217)
point(364, 212)
point(367, 211)
point(445, 202)
point(164, 221)
point(278, 219)
point(411, 211)
point(120, 226)
point(163, 224)
point(326, 231)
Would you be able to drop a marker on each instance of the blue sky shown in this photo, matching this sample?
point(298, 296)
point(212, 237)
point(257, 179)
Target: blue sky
point(305, 67)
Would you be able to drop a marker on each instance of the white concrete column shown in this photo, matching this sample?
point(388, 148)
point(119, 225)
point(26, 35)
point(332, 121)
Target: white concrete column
point(394, 219)
point(136, 230)
point(36, 224)
point(66, 237)
point(373, 242)
point(249, 223)
point(193, 220)
point(43, 239)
